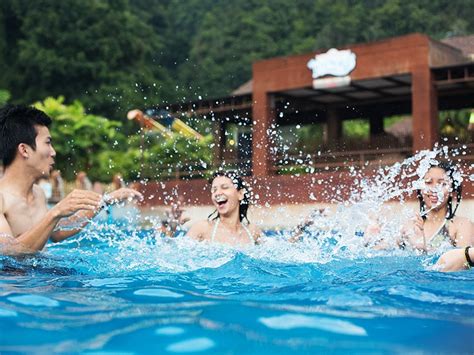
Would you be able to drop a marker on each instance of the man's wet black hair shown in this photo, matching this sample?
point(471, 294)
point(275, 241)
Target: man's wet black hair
point(240, 184)
point(456, 187)
point(17, 125)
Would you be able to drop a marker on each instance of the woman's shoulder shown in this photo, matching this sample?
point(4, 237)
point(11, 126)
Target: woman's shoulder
point(461, 221)
point(255, 231)
point(201, 229)
point(204, 224)
point(254, 228)
point(463, 229)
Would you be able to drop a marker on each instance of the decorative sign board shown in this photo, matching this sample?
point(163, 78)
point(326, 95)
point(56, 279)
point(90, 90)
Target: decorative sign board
point(334, 62)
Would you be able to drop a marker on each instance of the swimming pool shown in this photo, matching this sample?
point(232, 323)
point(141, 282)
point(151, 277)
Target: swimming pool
point(121, 290)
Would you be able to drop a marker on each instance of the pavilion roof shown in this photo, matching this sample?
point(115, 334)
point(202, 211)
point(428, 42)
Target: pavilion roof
point(463, 43)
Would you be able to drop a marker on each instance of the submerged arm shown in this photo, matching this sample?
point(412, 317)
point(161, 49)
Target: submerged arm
point(297, 233)
point(30, 241)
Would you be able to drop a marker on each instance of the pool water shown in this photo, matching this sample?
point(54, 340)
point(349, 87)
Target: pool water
point(121, 290)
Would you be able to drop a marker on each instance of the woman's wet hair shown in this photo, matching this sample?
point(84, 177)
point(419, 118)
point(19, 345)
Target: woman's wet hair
point(456, 187)
point(239, 184)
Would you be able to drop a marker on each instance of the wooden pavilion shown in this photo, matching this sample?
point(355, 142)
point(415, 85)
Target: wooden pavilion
point(408, 75)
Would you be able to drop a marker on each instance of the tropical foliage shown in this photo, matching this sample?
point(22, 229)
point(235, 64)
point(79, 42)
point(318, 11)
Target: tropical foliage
point(78, 137)
point(4, 97)
point(97, 145)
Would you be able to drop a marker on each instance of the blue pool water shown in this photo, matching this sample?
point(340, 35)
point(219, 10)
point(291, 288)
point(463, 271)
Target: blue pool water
point(127, 291)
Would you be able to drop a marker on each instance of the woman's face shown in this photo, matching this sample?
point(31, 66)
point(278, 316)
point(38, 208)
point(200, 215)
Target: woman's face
point(225, 196)
point(437, 187)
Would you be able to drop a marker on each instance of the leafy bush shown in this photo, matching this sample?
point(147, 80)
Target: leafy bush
point(4, 97)
point(79, 138)
point(97, 145)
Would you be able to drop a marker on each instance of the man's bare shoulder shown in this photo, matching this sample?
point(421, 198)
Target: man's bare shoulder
point(2, 204)
point(39, 193)
point(6, 197)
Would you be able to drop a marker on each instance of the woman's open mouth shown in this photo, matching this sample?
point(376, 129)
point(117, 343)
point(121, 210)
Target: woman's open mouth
point(221, 201)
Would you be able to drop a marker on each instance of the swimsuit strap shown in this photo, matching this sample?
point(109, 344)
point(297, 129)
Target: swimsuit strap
point(441, 230)
point(441, 234)
point(248, 233)
point(214, 230)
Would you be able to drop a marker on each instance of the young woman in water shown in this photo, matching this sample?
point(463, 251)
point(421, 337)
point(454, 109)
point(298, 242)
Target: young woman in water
point(437, 227)
point(228, 224)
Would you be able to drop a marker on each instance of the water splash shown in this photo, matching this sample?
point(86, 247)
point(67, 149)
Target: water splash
point(129, 242)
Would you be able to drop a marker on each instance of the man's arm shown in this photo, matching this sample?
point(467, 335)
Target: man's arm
point(79, 221)
point(30, 241)
point(84, 217)
point(35, 238)
point(8, 243)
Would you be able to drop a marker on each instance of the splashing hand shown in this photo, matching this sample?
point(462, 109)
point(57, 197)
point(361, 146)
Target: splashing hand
point(77, 200)
point(123, 194)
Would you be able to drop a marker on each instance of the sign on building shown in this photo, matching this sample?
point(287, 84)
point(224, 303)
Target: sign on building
point(335, 63)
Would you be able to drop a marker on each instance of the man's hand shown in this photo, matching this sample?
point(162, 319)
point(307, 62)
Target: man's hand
point(124, 194)
point(75, 201)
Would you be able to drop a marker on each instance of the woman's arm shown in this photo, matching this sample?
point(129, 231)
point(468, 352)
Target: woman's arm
point(198, 230)
point(456, 260)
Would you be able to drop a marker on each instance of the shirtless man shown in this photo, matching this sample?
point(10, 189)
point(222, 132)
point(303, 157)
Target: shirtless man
point(27, 154)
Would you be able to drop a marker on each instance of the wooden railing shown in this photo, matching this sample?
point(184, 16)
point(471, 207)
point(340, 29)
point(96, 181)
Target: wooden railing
point(305, 163)
point(195, 170)
point(338, 160)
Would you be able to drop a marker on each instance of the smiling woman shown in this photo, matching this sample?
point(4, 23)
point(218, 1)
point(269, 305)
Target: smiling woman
point(230, 196)
point(437, 226)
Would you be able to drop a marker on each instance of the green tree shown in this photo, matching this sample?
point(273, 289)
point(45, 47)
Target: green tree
point(95, 144)
point(96, 51)
point(79, 138)
point(223, 51)
point(4, 97)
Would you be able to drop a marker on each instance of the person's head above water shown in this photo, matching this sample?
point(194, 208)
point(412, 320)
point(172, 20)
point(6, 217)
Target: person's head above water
point(440, 185)
point(229, 193)
point(24, 134)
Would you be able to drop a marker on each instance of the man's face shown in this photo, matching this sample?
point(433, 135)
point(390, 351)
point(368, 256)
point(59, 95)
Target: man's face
point(42, 159)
